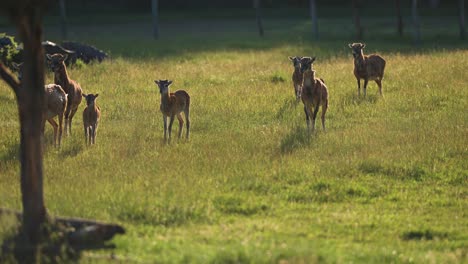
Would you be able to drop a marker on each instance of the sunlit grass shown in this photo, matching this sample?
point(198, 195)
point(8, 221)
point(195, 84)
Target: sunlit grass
point(386, 183)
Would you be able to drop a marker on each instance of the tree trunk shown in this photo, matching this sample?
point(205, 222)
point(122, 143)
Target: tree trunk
point(31, 105)
point(461, 7)
point(417, 32)
point(258, 16)
point(313, 15)
point(399, 18)
point(357, 19)
point(63, 19)
point(30, 97)
point(154, 11)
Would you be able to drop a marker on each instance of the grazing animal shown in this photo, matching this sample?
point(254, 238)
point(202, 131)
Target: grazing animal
point(367, 67)
point(91, 116)
point(297, 77)
point(56, 101)
point(71, 87)
point(314, 94)
point(172, 105)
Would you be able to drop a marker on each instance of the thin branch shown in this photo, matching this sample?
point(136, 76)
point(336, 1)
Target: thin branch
point(9, 78)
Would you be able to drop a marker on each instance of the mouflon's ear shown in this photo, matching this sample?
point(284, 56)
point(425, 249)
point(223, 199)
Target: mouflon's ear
point(96, 95)
point(169, 83)
point(312, 60)
point(291, 58)
point(156, 81)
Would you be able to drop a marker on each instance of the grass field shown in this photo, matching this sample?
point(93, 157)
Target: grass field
point(387, 183)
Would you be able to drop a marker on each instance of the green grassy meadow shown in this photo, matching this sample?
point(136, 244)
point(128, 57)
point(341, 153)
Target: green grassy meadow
point(387, 182)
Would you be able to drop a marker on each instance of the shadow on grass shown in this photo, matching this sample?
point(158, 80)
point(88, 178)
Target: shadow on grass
point(296, 139)
point(228, 204)
point(54, 247)
point(354, 99)
point(69, 151)
point(162, 215)
point(289, 105)
point(423, 235)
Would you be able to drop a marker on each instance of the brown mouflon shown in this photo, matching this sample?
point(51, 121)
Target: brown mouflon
point(172, 105)
point(56, 101)
point(314, 94)
point(71, 87)
point(91, 116)
point(368, 67)
point(297, 77)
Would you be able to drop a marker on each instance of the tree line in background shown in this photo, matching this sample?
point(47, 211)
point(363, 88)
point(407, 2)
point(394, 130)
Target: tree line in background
point(185, 4)
point(354, 5)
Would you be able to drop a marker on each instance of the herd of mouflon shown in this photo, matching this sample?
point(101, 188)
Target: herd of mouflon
point(314, 93)
point(65, 95)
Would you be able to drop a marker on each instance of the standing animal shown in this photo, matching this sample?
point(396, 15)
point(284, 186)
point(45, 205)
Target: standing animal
point(172, 105)
point(91, 116)
point(53, 48)
point(71, 87)
point(314, 94)
point(306, 64)
point(56, 101)
point(297, 77)
point(367, 67)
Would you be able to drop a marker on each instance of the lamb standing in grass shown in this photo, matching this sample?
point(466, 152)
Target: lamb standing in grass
point(367, 67)
point(91, 116)
point(173, 104)
point(56, 101)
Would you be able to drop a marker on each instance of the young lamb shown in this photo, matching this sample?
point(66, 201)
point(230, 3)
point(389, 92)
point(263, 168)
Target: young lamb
point(91, 116)
point(173, 104)
point(56, 101)
point(314, 94)
point(367, 67)
point(297, 77)
point(72, 88)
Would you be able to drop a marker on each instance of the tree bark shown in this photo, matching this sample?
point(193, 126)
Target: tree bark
point(461, 7)
point(154, 11)
point(63, 20)
point(399, 18)
point(313, 15)
point(258, 17)
point(31, 108)
point(27, 17)
point(357, 19)
point(417, 32)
